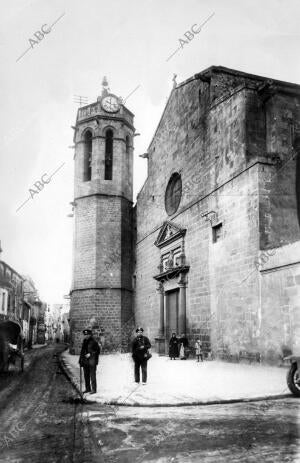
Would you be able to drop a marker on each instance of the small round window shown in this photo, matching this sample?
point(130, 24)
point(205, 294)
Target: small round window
point(173, 194)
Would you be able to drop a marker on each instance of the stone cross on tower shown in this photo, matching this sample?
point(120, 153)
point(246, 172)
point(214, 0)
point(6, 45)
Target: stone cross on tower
point(105, 87)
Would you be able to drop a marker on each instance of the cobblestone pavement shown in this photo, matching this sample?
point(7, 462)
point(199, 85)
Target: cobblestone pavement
point(39, 423)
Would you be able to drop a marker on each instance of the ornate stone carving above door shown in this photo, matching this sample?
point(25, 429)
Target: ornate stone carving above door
point(172, 278)
point(170, 240)
point(169, 232)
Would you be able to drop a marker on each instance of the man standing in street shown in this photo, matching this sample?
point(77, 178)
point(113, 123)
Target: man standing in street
point(88, 359)
point(140, 347)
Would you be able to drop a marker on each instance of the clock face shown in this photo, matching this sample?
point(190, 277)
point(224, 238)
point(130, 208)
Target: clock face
point(110, 103)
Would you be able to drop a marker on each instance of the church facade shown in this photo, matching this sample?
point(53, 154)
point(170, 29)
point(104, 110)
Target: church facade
point(211, 249)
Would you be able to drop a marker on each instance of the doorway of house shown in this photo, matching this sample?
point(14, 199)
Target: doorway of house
point(171, 313)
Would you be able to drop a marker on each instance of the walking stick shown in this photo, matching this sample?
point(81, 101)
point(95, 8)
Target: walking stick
point(82, 399)
point(80, 380)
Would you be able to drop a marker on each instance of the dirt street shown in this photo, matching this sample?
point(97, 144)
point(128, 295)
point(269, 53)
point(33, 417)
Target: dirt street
point(38, 422)
point(42, 423)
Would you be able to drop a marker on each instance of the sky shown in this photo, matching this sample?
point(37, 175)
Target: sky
point(129, 41)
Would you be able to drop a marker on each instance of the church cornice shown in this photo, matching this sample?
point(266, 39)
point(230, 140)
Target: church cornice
point(105, 118)
point(262, 91)
point(100, 287)
point(103, 194)
point(172, 273)
point(79, 142)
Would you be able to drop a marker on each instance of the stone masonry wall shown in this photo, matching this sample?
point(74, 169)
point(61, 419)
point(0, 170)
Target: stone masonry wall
point(103, 240)
point(103, 263)
point(279, 258)
point(121, 183)
point(278, 202)
point(217, 297)
point(232, 145)
point(209, 151)
point(97, 309)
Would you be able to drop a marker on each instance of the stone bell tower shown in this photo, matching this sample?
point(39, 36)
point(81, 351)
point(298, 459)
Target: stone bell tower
point(101, 293)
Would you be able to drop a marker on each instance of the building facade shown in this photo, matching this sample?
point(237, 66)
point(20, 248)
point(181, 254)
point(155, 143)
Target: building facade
point(57, 322)
point(34, 314)
point(217, 251)
point(11, 294)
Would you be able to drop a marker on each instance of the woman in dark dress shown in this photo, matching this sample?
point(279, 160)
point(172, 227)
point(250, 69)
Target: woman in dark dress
point(173, 347)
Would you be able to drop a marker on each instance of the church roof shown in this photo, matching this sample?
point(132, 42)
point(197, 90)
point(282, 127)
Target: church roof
point(206, 75)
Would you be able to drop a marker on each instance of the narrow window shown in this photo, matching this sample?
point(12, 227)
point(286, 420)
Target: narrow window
point(88, 148)
point(127, 160)
point(217, 232)
point(127, 144)
point(108, 155)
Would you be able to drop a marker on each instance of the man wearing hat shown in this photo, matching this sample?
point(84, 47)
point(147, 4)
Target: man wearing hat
point(88, 359)
point(140, 347)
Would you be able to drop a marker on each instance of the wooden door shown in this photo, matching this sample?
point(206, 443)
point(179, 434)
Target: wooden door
point(172, 313)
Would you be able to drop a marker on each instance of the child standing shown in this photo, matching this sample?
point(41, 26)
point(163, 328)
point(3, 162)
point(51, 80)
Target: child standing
point(198, 348)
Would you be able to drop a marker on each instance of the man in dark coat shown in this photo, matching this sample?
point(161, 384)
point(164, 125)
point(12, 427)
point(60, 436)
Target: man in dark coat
point(140, 346)
point(88, 359)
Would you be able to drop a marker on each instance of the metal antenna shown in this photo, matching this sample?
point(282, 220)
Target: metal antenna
point(81, 100)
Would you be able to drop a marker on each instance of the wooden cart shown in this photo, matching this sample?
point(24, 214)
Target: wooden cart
point(11, 345)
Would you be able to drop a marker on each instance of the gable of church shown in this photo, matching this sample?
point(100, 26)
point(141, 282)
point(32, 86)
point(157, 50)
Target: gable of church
point(169, 232)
